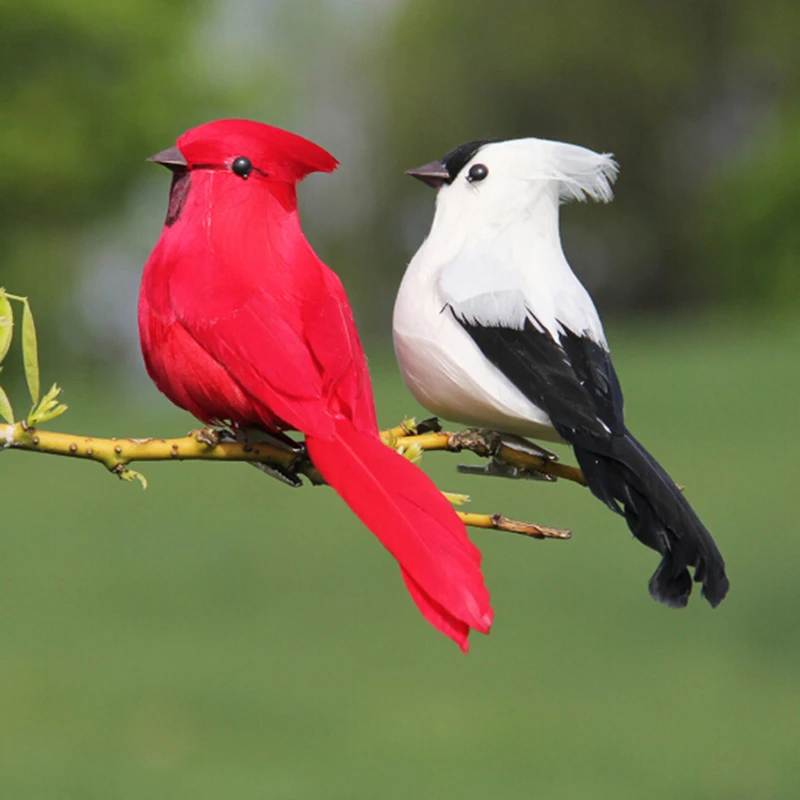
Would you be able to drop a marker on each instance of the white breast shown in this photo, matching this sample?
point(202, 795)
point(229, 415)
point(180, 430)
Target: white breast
point(447, 373)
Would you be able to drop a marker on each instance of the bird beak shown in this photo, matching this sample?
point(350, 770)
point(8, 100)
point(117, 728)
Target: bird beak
point(172, 158)
point(434, 174)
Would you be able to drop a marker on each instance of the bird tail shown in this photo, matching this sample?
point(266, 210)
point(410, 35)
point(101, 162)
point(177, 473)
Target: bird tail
point(416, 524)
point(660, 517)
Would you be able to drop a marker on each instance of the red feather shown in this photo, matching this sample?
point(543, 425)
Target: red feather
point(241, 322)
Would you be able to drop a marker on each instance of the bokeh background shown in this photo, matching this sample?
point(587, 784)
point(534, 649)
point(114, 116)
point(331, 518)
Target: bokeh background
point(222, 636)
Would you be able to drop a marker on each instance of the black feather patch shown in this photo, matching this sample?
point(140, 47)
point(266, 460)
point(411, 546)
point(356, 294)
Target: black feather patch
point(574, 382)
point(460, 156)
point(179, 191)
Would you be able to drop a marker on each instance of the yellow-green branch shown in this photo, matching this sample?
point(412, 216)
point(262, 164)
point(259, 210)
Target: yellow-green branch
point(115, 454)
point(514, 457)
point(205, 445)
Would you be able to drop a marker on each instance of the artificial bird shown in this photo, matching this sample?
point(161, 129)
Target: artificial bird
point(242, 325)
point(493, 329)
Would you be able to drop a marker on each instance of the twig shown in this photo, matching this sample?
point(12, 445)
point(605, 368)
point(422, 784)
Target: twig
point(501, 523)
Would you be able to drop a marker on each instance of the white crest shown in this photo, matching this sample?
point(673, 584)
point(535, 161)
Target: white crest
point(582, 174)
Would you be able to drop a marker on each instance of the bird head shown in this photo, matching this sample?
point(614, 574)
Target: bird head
point(247, 150)
point(234, 159)
point(487, 180)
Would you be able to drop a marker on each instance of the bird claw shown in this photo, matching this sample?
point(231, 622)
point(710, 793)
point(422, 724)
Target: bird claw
point(522, 445)
point(278, 440)
point(212, 436)
point(285, 476)
point(497, 468)
point(489, 444)
point(429, 425)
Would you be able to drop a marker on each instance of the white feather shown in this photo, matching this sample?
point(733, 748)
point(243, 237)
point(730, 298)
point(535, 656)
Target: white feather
point(582, 174)
point(481, 282)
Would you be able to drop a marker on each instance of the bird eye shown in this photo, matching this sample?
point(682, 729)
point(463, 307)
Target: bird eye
point(242, 166)
point(477, 172)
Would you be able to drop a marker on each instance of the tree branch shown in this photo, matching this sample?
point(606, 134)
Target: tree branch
point(115, 454)
point(509, 456)
point(207, 445)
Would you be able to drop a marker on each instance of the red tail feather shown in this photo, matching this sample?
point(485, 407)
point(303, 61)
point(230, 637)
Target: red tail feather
point(415, 522)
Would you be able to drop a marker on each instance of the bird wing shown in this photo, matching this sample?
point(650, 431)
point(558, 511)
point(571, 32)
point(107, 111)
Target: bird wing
point(481, 282)
point(571, 377)
point(548, 343)
point(333, 338)
point(297, 358)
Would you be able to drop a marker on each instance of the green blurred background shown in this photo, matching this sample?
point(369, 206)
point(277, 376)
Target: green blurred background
point(222, 636)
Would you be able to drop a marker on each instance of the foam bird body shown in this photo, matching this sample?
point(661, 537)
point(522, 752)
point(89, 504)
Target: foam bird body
point(493, 329)
point(242, 324)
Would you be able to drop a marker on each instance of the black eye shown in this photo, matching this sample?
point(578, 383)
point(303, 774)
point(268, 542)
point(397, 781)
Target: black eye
point(477, 172)
point(242, 166)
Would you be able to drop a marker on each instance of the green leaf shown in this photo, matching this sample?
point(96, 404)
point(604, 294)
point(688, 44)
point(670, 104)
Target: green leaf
point(30, 352)
point(457, 499)
point(6, 412)
point(49, 408)
point(6, 324)
point(133, 475)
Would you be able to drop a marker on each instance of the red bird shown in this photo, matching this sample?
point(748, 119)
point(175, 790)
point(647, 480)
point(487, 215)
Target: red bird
point(242, 324)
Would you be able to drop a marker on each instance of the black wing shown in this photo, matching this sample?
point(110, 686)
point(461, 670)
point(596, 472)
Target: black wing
point(574, 382)
point(572, 379)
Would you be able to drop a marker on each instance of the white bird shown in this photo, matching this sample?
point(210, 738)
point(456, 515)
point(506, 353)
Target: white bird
point(493, 329)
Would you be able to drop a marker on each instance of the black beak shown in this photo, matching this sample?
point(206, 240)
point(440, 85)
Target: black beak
point(172, 158)
point(434, 174)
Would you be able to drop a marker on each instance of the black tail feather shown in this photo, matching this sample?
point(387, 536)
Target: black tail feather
point(632, 483)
